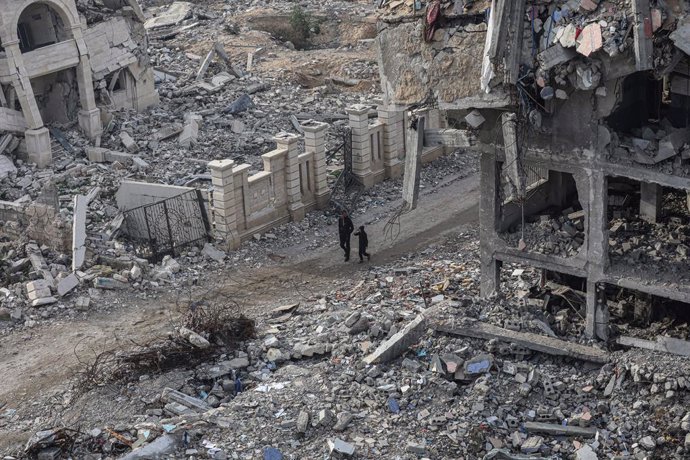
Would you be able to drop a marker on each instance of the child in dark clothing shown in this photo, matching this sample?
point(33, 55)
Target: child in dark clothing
point(363, 243)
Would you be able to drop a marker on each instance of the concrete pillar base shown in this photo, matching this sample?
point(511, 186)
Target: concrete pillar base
point(90, 123)
point(394, 169)
point(232, 242)
point(367, 180)
point(297, 212)
point(597, 320)
point(38, 147)
point(490, 276)
point(322, 200)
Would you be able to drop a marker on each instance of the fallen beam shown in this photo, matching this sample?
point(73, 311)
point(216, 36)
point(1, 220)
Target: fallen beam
point(559, 430)
point(401, 341)
point(662, 344)
point(536, 342)
point(448, 137)
point(644, 52)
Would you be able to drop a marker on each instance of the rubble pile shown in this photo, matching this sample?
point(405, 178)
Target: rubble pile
point(368, 370)
point(112, 266)
point(656, 246)
point(663, 145)
point(562, 236)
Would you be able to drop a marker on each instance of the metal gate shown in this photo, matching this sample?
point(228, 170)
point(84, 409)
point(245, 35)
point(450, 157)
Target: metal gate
point(165, 227)
point(347, 189)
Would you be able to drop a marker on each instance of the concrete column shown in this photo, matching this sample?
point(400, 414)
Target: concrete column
point(22, 85)
point(650, 201)
point(315, 142)
point(557, 193)
point(489, 212)
point(89, 115)
point(361, 144)
point(596, 322)
point(224, 205)
point(393, 140)
point(289, 142)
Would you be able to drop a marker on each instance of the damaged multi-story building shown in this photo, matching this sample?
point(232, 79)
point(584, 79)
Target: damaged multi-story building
point(582, 110)
point(61, 62)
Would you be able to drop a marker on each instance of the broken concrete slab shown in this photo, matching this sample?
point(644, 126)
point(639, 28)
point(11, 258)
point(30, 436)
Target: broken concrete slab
point(590, 40)
point(108, 283)
point(102, 155)
point(160, 448)
point(170, 395)
point(79, 232)
point(681, 36)
point(67, 284)
point(7, 167)
point(190, 132)
point(401, 341)
point(43, 301)
point(176, 13)
point(211, 252)
point(559, 430)
point(128, 142)
point(528, 340)
point(662, 344)
point(37, 289)
point(39, 264)
point(133, 194)
point(555, 55)
point(475, 119)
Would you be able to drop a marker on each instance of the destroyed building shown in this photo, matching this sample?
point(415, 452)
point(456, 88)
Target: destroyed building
point(581, 108)
point(63, 62)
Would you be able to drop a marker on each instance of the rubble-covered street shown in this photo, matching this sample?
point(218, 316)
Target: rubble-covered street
point(400, 229)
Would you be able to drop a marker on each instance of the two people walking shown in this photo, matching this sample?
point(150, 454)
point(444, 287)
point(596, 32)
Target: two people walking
point(345, 229)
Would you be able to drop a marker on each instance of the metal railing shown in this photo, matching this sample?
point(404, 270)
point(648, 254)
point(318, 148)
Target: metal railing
point(165, 227)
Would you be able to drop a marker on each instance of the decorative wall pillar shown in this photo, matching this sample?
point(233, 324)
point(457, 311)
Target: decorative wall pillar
point(393, 140)
point(224, 202)
point(361, 146)
point(315, 142)
point(289, 142)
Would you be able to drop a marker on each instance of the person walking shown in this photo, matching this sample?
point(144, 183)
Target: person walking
point(345, 229)
point(363, 243)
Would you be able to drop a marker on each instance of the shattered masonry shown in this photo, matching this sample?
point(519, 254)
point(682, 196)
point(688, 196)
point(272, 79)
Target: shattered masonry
point(56, 65)
point(598, 98)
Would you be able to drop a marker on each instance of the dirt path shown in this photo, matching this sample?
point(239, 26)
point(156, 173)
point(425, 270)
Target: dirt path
point(35, 363)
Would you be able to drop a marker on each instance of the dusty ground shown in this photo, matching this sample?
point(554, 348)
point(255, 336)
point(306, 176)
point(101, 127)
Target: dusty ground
point(38, 363)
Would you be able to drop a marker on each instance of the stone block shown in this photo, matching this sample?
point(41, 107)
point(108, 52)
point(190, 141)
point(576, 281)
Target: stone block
point(67, 284)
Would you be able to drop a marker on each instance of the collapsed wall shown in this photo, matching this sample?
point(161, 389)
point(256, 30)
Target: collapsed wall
point(63, 63)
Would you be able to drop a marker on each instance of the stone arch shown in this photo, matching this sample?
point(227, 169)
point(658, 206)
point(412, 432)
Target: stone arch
point(60, 8)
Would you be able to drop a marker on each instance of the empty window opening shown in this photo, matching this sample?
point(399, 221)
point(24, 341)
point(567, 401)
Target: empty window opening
point(649, 229)
point(40, 25)
point(550, 220)
point(641, 315)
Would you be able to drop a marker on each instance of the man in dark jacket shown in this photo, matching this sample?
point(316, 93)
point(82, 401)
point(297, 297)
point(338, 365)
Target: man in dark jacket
point(363, 243)
point(345, 229)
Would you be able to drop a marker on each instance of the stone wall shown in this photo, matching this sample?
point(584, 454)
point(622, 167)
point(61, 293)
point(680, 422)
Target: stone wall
point(290, 185)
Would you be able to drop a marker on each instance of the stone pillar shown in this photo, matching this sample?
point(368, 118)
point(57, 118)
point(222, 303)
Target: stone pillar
point(489, 212)
point(650, 201)
point(596, 321)
point(89, 115)
point(22, 85)
point(224, 205)
point(315, 142)
point(393, 140)
point(38, 147)
point(361, 144)
point(289, 142)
